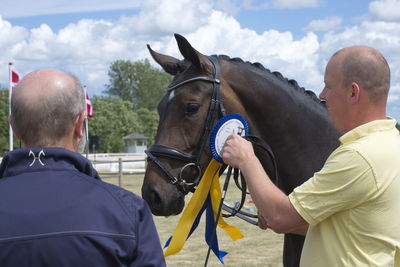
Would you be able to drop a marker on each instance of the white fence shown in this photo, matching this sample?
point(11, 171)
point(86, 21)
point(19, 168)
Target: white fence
point(117, 164)
point(132, 163)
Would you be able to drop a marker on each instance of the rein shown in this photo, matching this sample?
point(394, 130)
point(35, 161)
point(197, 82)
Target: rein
point(237, 209)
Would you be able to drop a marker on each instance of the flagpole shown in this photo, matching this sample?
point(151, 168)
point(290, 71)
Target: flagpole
point(87, 126)
point(9, 104)
point(87, 137)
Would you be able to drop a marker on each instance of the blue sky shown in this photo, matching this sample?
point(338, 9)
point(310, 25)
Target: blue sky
point(295, 37)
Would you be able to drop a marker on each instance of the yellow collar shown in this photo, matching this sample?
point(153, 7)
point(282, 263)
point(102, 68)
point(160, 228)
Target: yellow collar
point(367, 128)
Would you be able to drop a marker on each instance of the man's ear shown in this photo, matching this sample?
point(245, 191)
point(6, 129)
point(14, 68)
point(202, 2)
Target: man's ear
point(355, 92)
point(79, 124)
point(10, 121)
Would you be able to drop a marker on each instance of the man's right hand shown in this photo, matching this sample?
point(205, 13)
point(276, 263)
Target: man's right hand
point(262, 223)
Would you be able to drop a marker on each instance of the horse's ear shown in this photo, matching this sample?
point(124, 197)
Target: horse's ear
point(188, 52)
point(168, 63)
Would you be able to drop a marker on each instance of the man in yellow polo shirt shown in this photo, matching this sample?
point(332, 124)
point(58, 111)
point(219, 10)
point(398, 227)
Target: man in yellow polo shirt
point(350, 209)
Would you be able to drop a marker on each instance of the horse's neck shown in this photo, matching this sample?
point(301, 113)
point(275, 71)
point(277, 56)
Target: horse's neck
point(274, 106)
point(293, 123)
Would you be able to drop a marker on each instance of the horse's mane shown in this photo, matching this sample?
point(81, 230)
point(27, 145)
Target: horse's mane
point(292, 83)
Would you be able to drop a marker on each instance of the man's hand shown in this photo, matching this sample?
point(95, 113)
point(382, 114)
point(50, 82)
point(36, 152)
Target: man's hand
point(262, 223)
point(237, 151)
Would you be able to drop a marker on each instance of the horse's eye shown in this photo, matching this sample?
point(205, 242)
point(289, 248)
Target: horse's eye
point(191, 108)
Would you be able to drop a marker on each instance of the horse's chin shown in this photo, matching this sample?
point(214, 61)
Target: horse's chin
point(168, 212)
point(179, 208)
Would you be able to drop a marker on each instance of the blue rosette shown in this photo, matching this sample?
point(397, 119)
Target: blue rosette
point(227, 125)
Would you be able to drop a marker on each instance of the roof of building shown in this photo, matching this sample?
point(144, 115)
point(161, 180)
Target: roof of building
point(136, 136)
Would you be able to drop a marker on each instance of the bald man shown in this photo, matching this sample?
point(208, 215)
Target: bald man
point(54, 209)
point(349, 210)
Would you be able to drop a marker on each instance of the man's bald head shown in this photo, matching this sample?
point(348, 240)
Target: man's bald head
point(44, 106)
point(368, 68)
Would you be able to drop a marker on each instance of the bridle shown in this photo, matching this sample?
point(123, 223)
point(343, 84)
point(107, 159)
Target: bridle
point(215, 110)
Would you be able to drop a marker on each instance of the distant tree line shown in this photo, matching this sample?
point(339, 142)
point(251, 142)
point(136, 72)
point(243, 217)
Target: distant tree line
point(4, 132)
point(128, 104)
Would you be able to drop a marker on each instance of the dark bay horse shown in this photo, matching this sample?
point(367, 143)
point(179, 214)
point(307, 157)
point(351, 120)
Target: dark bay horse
point(293, 121)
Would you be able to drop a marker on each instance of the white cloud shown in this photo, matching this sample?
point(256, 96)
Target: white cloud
point(385, 9)
point(323, 25)
point(275, 50)
point(87, 48)
point(166, 17)
point(395, 88)
point(394, 98)
point(11, 36)
point(385, 36)
point(230, 7)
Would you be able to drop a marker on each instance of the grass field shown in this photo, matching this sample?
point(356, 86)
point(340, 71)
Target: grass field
point(257, 248)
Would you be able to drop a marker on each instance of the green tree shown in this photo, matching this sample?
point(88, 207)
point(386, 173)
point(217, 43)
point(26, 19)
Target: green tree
point(137, 82)
point(148, 122)
point(4, 128)
point(113, 119)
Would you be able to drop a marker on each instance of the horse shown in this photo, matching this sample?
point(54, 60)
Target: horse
point(291, 120)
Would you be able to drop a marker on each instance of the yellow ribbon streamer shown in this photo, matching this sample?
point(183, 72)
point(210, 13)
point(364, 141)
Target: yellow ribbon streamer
point(208, 183)
point(216, 194)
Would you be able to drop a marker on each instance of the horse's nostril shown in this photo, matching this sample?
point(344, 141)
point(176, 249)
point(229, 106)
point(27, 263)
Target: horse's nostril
point(156, 203)
point(155, 198)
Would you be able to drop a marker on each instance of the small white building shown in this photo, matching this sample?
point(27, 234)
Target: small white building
point(135, 143)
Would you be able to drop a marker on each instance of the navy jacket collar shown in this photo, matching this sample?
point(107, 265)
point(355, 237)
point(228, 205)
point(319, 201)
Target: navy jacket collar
point(42, 159)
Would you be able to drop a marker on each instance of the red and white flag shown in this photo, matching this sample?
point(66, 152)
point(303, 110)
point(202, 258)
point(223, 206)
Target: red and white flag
point(14, 76)
point(89, 107)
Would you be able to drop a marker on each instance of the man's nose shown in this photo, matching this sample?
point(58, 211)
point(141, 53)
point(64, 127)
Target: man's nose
point(322, 95)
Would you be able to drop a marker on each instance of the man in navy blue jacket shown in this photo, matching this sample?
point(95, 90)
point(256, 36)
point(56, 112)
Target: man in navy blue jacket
point(54, 209)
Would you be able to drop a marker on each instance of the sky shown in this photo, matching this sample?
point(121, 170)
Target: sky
point(294, 37)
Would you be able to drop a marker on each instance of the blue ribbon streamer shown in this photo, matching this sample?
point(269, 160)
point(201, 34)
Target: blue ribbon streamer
point(210, 228)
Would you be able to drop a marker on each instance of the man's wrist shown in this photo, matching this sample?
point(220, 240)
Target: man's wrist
point(247, 164)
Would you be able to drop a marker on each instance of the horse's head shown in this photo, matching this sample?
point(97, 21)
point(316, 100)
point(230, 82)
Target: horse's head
point(187, 112)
